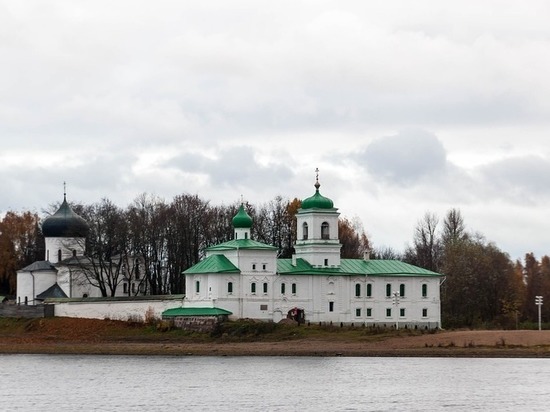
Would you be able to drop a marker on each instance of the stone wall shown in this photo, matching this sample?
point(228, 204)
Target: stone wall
point(26, 311)
point(197, 323)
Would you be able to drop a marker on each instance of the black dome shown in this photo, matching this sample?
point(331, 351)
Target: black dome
point(65, 223)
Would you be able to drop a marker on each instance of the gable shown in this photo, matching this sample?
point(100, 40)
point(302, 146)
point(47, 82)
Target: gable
point(213, 264)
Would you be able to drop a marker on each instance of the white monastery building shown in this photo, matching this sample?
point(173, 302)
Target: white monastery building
point(245, 277)
point(61, 274)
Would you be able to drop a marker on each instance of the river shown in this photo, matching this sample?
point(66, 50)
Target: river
point(144, 383)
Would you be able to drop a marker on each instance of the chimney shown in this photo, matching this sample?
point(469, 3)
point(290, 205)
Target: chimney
point(294, 260)
point(366, 254)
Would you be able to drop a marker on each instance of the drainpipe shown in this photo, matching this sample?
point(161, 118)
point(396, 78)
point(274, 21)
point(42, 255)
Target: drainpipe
point(33, 296)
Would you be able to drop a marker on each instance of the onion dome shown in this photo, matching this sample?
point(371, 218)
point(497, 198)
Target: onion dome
point(65, 223)
point(242, 220)
point(317, 201)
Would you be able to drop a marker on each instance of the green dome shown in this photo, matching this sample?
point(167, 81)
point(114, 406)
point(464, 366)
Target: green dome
point(317, 201)
point(242, 219)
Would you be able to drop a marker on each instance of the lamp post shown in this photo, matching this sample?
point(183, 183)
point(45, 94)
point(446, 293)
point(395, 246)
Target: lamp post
point(396, 303)
point(538, 302)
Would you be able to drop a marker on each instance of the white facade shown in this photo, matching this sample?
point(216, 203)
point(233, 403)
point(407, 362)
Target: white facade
point(328, 289)
point(61, 273)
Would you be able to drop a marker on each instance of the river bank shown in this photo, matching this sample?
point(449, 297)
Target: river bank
point(86, 336)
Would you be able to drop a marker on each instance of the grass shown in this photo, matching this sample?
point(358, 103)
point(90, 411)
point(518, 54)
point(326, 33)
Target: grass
point(68, 329)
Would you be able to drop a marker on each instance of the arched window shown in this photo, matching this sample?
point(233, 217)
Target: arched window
point(324, 231)
point(230, 287)
point(197, 286)
point(74, 252)
point(369, 290)
point(357, 290)
point(265, 287)
point(304, 231)
point(253, 287)
point(59, 255)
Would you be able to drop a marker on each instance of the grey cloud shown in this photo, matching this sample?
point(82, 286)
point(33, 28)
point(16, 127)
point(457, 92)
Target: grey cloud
point(519, 179)
point(234, 166)
point(404, 158)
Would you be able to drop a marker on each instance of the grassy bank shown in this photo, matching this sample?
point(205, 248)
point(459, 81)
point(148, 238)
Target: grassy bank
point(88, 336)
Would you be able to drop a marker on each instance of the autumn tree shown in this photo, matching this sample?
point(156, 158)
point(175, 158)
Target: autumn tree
point(353, 239)
point(107, 252)
point(21, 243)
point(273, 224)
point(148, 239)
point(186, 233)
point(427, 248)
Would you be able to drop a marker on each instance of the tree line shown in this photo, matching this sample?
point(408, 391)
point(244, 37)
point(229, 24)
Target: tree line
point(153, 241)
point(483, 287)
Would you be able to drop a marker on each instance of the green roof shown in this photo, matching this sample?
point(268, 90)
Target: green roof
point(353, 267)
point(168, 313)
point(213, 264)
point(242, 219)
point(236, 244)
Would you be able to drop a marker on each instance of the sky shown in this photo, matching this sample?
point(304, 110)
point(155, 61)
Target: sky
point(406, 107)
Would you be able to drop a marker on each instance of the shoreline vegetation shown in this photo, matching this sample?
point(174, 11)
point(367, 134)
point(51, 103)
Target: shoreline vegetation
point(248, 338)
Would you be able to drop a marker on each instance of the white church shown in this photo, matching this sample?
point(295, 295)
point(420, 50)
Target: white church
point(245, 277)
point(60, 274)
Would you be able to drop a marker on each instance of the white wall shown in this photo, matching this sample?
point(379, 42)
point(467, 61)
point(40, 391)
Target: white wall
point(116, 310)
point(31, 284)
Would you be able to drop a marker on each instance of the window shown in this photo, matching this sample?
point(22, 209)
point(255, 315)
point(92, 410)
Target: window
point(197, 286)
point(293, 288)
point(388, 312)
point(304, 231)
point(357, 290)
point(133, 287)
point(230, 287)
point(263, 307)
point(26, 300)
point(369, 290)
point(424, 290)
point(253, 287)
point(137, 270)
point(125, 287)
point(388, 290)
point(331, 306)
point(74, 252)
point(369, 312)
point(402, 312)
point(59, 255)
point(326, 262)
point(325, 231)
point(402, 290)
point(425, 313)
point(283, 288)
point(253, 266)
point(264, 266)
point(357, 312)
point(265, 287)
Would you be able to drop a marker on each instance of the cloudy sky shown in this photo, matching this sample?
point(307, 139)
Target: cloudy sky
point(406, 107)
